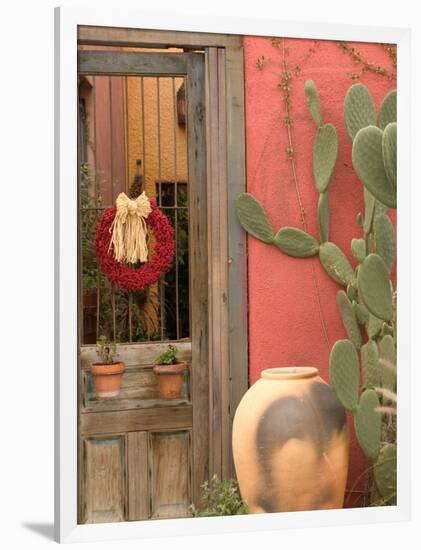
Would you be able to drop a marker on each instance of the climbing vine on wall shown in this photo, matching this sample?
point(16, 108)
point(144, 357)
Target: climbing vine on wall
point(284, 85)
point(367, 65)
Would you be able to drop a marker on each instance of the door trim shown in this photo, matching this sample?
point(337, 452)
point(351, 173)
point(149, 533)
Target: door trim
point(91, 62)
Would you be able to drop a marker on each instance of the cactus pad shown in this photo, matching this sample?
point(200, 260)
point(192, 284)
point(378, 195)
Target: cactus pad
point(367, 159)
point(344, 373)
point(385, 239)
point(387, 329)
point(370, 364)
point(374, 287)
point(349, 319)
point(387, 111)
point(352, 292)
point(253, 218)
point(388, 353)
point(385, 470)
point(325, 154)
point(380, 209)
point(370, 203)
point(374, 326)
point(295, 242)
point(358, 249)
point(359, 110)
point(313, 102)
point(323, 217)
point(389, 145)
point(361, 313)
point(336, 264)
point(368, 422)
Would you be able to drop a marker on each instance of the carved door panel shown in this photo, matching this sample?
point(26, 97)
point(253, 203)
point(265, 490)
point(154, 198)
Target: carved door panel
point(142, 126)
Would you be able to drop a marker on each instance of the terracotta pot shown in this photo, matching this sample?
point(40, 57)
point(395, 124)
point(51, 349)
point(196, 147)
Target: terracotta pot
point(170, 380)
point(290, 443)
point(107, 378)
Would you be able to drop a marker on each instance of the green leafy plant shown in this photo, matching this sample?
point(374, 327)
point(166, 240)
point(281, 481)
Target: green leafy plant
point(90, 207)
point(359, 377)
point(168, 357)
point(106, 350)
point(220, 498)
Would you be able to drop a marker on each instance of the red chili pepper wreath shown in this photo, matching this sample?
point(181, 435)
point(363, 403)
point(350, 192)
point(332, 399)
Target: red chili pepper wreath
point(125, 277)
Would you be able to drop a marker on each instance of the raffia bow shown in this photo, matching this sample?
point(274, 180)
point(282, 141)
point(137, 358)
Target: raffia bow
point(129, 230)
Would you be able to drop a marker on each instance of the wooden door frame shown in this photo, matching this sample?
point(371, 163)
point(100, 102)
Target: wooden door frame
point(226, 294)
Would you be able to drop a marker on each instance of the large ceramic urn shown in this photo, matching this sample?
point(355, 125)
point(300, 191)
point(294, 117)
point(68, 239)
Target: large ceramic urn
point(290, 443)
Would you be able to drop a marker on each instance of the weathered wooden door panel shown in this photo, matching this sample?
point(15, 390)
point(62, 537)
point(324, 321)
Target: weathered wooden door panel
point(170, 474)
point(138, 475)
point(104, 479)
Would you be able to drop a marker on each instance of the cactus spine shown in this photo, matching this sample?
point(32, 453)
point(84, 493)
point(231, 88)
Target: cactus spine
point(369, 300)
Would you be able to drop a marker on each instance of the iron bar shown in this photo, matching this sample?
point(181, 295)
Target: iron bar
point(177, 312)
point(161, 282)
point(110, 101)
point(98, 279)
point(113, 308)
point(142, 86)
point(143, 134)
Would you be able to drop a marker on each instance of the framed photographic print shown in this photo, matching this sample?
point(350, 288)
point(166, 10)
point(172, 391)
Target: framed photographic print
point(228, 267)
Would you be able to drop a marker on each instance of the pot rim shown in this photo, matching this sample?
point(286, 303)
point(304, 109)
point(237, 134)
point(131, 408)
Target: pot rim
point(176, 368)
point(289, 373)
point(105, 369)
point(107, 364)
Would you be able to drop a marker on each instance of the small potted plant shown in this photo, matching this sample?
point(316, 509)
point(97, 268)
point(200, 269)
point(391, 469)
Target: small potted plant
point(107, 373)
point(170, 373)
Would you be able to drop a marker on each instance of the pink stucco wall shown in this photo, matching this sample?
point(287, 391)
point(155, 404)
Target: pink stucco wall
point(284, 317)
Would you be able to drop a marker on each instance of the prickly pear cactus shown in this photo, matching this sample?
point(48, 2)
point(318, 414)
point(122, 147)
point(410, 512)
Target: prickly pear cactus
point(368, 424)
point(253, 218)
point(370, 364)
point(352, 292)
point(367, 159)
point(359, 110)
point(323, 217)
point(359, 249)
point(370, 205)
point(345, 373)
point(389, 149)
point(313, 102)
point(374, 287)
point(325, 155)
point(361, 312)
point(387, 111)
point(295, 242)
point(374, 326)
point(388, 367)
point(384, 235)
point(385, 470)
point(336, 264)
point(349, 318)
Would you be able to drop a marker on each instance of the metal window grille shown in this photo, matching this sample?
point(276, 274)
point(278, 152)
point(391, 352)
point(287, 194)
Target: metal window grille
point(133, 139)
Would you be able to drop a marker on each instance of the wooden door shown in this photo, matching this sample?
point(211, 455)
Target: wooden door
point(141, 457)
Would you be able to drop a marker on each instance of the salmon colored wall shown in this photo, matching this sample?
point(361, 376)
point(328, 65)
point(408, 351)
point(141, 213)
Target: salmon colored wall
point(284, 293)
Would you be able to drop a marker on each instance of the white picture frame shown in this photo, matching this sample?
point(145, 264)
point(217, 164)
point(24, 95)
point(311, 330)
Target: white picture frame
point(66, 528)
